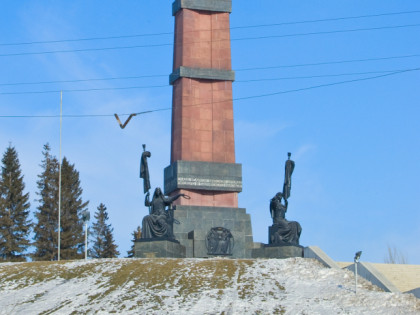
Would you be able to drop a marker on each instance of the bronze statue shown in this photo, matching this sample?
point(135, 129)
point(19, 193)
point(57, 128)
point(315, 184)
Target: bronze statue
point(284, 232)
point(159, 223)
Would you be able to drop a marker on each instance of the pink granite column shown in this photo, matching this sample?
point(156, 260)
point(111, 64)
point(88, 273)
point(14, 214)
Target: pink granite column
point(202, 114)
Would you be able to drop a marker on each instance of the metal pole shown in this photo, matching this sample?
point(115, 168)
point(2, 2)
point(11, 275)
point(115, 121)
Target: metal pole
point(59, 178)
point(86, 239)
point(355, 277)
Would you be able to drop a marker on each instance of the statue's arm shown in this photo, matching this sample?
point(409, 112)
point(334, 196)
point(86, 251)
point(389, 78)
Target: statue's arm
point(147, 201)
point(271, 208)
point(171, 199)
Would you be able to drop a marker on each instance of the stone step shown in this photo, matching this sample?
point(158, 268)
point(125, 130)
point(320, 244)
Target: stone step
point(405, 277)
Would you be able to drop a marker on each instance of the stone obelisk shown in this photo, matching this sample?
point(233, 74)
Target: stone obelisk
point(202, 147)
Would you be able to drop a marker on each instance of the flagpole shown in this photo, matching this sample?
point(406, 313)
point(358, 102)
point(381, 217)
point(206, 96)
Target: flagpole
point(86, 239)
point(59, 178)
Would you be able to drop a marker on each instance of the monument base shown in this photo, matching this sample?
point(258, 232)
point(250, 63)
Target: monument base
point(158, 248)
point(197, 221)
point(277, 251)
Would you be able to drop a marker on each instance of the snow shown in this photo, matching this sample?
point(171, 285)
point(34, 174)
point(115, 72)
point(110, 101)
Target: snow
point(192, 286)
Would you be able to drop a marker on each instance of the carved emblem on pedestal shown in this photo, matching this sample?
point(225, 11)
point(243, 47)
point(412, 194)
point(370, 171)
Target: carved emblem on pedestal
point(219, 241)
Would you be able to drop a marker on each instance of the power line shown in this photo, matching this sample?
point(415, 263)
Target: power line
point(235, 27)
point(329, 62)
point(237, 70)
point(318, 76)
point(85, 80)
point(83, 50)
point(85, 39)
point(328, 20)
point(84, 116)
point(166, 85)
point(234, 39)
point(233, 99)
point(325, 85)
point(328, 32)
point(86, 90)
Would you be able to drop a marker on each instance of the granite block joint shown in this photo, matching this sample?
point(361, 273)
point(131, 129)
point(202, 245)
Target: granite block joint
point(202, 73)
point(205, 5)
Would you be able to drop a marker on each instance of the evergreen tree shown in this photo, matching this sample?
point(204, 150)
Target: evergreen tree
point(136, 235)
point(72, 235)
point(14, 209)
point(45, 239)
point(102, 238)
point(46, 228)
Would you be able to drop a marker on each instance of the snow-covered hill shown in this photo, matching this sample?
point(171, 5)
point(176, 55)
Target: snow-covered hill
point(191, 286)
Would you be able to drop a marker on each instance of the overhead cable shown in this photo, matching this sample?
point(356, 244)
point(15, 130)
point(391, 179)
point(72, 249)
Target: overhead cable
point(234, 27)
point(195, 42)
point(85, 90)
point(328, 20)
point(237, 70)
point(329, 62)
point(326, 85)
point(167, 85)
point(84, 115)
point(85, 80)
point(328, 32)
point(226, 100)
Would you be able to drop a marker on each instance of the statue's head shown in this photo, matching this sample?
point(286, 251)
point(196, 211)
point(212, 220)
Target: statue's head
point(158, 192)
point(279, 195)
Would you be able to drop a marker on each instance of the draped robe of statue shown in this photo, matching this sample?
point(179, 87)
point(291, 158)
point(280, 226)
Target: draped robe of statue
point(158, 224)
point(285, 231)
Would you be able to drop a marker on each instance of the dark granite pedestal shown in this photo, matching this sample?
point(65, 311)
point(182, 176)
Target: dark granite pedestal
point(197, 221)
point(277, 248)
point(158, 248)
point(277, 251)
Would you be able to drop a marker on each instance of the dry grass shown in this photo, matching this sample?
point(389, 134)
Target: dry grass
point(187, 279)
point(122, 285)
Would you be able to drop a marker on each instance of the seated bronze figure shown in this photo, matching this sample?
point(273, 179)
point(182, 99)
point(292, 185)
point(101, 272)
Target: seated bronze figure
point(159, 223)
point(282, 232)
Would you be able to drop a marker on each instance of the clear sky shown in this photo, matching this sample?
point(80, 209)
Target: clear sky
point(355, 144)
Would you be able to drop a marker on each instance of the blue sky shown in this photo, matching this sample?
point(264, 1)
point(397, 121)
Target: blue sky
point(356, 144)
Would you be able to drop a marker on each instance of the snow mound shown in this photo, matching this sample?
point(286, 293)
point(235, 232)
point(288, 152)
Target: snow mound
point(191, 286)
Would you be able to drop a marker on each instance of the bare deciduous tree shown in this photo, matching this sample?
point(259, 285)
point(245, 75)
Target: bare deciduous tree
point(395, 256)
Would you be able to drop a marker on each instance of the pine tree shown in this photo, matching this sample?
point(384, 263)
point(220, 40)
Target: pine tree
point(14, 209)
point(72, 235)
point(136, 235)
point(45, 239)
point(46, 228)
point(102, 238)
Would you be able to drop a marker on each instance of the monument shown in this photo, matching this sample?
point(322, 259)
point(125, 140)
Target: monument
point(202, 145)
point(202, 182)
